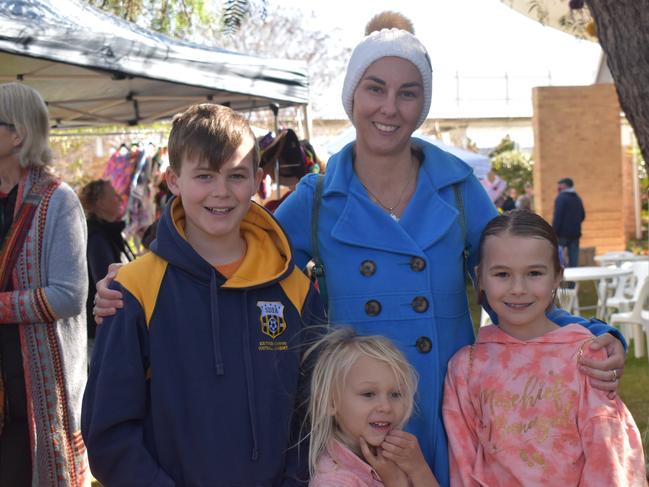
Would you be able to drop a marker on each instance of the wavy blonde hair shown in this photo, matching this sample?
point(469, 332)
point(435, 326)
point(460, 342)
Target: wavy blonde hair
point(23, 108)
point(337, 352)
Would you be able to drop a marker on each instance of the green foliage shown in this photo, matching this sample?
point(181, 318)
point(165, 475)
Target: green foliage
point(505, 145)
point(278, 32)
point(512, 165)
point(642, 169)
point(182, 19)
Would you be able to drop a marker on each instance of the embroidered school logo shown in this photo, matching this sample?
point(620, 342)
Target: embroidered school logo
point(272, 319)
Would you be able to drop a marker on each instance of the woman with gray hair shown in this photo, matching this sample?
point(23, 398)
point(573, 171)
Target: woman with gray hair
point(43, 286)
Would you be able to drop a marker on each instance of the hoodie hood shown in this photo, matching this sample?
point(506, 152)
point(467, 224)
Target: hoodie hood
point(572, 333)
point(265, 241)
point(267, 261)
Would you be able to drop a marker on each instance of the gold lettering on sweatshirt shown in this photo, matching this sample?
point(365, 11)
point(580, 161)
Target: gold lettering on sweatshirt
point(533, 412)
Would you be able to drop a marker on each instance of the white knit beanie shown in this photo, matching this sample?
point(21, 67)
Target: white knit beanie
point(384, 43)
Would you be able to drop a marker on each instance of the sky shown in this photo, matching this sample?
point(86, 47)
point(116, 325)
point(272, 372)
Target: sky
point(473, 45)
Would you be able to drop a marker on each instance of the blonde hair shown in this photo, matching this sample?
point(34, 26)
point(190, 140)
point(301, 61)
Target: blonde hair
point(23, 108)
point(337, 352)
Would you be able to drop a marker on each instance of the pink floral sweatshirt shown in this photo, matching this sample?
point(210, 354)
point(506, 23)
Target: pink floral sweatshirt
point(520, 413)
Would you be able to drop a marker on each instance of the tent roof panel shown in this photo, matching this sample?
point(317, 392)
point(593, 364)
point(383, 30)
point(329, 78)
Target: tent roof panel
point(49, 45)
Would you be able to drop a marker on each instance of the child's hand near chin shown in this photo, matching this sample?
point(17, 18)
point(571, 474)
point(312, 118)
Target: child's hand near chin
point(403, 449)
point(390, 473)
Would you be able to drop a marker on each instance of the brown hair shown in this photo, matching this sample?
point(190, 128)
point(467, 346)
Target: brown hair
point(211, 133)
point(90, 195)
point(519, 223)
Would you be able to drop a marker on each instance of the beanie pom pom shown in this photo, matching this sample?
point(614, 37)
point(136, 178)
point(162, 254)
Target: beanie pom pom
point(389, 20)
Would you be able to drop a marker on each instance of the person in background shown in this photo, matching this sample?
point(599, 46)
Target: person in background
point(567, 218)
point(294, 157)
point(43, 286)
point(517, 410)
point(509, 202)
point(106, 243)
point(524, 201)
point(529, 192)
point(493, 185)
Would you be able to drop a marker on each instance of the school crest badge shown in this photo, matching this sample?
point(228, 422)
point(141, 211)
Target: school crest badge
point(272, 319)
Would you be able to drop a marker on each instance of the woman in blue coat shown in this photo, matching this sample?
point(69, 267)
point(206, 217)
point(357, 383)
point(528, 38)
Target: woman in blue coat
point(396, 217)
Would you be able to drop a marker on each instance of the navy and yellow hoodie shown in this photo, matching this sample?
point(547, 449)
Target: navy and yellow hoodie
point(194, 382)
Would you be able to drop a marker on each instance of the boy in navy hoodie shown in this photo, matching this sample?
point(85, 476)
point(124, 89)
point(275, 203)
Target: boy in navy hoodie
point(194, 381)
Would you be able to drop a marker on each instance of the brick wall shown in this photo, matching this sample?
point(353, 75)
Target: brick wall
point(577, 135)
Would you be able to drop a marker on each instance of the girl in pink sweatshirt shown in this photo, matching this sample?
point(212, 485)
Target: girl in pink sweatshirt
point(516, 408)
point(362, 393)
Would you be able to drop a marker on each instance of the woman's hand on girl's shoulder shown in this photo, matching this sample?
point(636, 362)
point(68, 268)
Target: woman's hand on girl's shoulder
point(403, 449)
point(605, 374)
point(390, 473)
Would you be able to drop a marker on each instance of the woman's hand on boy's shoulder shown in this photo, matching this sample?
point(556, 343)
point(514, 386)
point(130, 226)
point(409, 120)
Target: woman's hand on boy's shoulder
point(403, 449)
point(107, 301)
point(390, 473)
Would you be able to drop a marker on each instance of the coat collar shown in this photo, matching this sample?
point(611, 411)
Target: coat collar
point(442, 168)
point(359, 219)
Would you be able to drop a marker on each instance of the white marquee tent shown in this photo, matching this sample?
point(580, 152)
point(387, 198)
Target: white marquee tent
point(93, 68)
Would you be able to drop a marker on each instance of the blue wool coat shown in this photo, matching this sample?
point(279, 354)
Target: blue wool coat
point(403, 280)
point(418, 279)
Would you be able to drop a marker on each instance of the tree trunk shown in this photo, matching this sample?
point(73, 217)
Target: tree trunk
point(623, 32)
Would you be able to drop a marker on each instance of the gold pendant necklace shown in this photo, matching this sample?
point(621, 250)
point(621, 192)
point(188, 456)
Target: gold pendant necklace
point(390, 209)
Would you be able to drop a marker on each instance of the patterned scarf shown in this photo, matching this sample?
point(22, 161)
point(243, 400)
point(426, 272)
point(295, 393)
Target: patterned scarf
point(12, 246)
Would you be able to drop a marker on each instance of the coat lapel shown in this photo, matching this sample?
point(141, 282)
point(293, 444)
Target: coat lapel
point(365, 224)
point(427, 218)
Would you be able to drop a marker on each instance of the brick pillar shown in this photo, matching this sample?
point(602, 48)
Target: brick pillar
point(577, 135)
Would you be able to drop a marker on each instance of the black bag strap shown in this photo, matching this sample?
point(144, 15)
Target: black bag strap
point(318, 271)
point(459, 203)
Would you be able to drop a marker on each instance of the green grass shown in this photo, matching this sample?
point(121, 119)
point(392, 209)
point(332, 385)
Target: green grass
point(634, 385)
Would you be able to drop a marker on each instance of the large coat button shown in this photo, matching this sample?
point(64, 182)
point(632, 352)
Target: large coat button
point(372, 307)
point(423, 344)
point(419, 304)
point(417, 264)
point(368, 268)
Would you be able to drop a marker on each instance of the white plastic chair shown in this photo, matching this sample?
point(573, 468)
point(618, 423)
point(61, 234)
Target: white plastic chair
point(618, 253)
point(568, 300)
point(620, 288)
point(628, 288)
point(635, 323)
